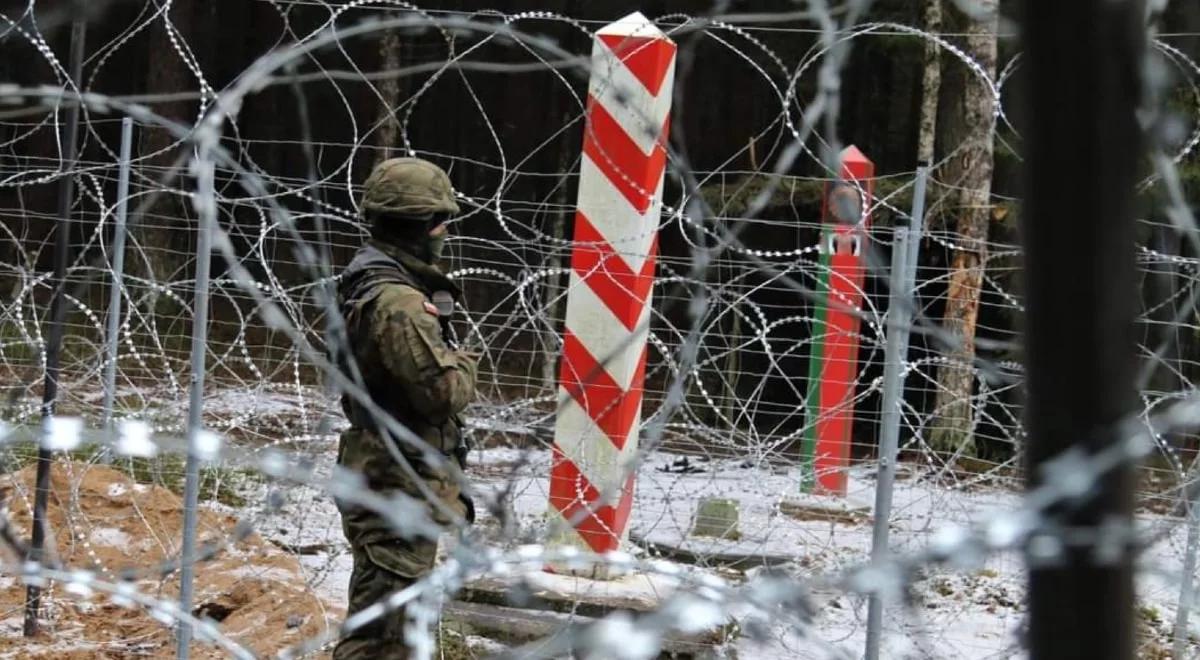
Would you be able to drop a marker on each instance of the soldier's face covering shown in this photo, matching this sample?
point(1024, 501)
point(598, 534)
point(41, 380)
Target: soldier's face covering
point(437, 242)
point(423, 238)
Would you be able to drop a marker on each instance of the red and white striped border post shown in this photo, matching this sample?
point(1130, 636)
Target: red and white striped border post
point(612, 275)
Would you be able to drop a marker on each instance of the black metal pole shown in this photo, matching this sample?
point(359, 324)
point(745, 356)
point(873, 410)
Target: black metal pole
point(58, 310)
point(1083, 66)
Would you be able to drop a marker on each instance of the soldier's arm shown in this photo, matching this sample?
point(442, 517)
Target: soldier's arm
point(437, 381)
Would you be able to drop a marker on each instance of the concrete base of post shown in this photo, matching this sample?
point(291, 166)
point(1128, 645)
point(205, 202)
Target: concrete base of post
point(561, 535)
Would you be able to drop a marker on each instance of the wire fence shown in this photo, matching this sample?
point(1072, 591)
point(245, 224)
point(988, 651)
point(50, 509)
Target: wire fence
point(728, 381)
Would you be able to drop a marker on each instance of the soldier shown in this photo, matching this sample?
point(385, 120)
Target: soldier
point(396, 303)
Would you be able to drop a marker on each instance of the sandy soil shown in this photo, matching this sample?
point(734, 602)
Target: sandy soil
point(109, 524)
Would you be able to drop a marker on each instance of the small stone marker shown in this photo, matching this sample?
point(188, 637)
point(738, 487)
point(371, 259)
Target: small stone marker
point(717, 517)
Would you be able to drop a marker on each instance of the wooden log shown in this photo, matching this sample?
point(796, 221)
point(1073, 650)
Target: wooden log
point(515, 625)
point(724, 559)
point(560, 593)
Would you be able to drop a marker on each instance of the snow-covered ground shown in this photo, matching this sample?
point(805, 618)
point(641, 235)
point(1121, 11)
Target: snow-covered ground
point(975, 613)
point(952, 614)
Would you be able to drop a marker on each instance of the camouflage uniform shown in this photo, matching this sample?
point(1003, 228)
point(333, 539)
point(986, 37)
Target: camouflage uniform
point(411, 371)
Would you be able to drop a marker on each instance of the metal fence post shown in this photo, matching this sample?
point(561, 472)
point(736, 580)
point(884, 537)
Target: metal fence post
point(905, 250)
point(1085, 144)
point(58, 313)
point(118, 275)
point(1187, 583)
point(207, 220)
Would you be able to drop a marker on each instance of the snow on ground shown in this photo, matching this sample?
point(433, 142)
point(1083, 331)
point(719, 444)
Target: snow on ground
point(953, 614)
point(110, 536)
point(974, 615)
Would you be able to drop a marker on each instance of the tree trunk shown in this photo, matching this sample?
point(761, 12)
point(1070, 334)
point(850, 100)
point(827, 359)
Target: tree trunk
point(553, 287)
point(969, 131)
point(733, 368)
point(158, 257)
point(389, 88)
point(931, 82)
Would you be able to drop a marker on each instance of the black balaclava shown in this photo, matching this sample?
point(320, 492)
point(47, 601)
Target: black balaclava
point(411, 234)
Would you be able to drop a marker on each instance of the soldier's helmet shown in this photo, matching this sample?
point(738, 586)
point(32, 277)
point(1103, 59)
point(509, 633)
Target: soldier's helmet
point(408, 187)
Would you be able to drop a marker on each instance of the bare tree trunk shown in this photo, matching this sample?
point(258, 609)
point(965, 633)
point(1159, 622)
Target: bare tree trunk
point(389, 125)
point(733, 368)
point(931, 82)
point(971, 107)
point(159, 255)
point(552, 289)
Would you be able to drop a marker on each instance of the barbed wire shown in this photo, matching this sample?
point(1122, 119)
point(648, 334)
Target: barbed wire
point(726, 385)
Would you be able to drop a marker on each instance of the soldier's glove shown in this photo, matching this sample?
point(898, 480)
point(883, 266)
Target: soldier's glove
point(464, 442)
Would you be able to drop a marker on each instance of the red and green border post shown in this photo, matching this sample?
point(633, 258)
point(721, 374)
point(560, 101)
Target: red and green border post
point(833, 362)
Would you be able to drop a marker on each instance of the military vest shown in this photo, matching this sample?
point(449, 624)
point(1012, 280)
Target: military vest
point(361, 282)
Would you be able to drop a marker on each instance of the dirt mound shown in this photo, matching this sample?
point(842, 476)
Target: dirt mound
point(102, 520)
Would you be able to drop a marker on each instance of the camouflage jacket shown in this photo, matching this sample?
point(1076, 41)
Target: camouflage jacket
point(396, 335)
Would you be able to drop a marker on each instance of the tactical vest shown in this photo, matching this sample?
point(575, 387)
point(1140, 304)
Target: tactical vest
point(361, 283)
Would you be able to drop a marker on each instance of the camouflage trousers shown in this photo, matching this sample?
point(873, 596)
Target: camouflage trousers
point(381, 569)
point(385, 561)
point(366, 453)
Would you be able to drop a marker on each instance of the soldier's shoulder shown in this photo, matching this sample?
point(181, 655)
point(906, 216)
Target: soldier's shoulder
point(403, 299)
